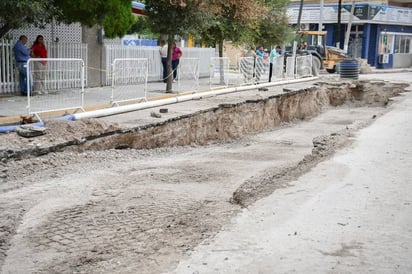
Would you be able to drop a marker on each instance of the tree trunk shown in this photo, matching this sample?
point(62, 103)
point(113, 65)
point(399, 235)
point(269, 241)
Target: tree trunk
point(221, 62)
point(169, 78)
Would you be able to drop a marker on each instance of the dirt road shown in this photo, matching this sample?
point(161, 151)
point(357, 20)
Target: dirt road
point(144, 211)
point(350, 214)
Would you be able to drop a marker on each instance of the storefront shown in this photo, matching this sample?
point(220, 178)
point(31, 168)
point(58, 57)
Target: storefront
point(381, 34)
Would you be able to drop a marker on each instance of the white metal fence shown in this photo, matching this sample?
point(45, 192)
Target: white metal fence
point(220, 73)
point(61, 79)
point(8, 72)
point(278, 70)
point(129, 79)
point(256, 70)
point(113, 52)
point(188, 74)
point(8, 79)
point(261, 70)
point(303, 66)
point(246, 70)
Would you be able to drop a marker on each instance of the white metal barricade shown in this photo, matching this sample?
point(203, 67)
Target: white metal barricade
point(290, 67)
point(278, 71)
point(261, 70)
point(303, 66)
point(246, 69)
point(219, 72)
point(188, 74)
point(62, 79)
point(129, 79)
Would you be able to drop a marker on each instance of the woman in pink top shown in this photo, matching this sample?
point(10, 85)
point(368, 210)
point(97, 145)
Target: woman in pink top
point(177, 53)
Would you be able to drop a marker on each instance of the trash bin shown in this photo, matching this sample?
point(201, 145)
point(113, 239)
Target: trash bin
point(349, 69)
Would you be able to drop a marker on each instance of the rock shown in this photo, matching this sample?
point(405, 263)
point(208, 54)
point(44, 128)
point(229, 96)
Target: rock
point(155, 115)
point(29, 131)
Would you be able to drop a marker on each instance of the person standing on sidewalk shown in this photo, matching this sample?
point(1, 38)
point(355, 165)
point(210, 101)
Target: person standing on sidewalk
point(163, 56)
point(259, 62)
point(39, 50)
point(176, 54)
point(22, 55)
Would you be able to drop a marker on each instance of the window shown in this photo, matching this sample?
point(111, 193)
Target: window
point(402, 43)
point(386, 43)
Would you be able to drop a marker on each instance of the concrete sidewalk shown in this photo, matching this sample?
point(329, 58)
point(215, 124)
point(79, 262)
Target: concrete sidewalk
point(98, 97)
point(11, 108)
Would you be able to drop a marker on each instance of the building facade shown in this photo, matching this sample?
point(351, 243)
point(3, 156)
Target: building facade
point(380, 32)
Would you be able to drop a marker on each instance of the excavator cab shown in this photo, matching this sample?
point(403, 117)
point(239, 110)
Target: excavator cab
point(328, 57)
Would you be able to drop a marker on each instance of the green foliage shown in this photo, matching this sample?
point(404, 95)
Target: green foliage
point(141, 26)
point(170, 18)
point(173, 19)
point(21, 13)
point(229, 21)
point(271, 28)
point(114, 15)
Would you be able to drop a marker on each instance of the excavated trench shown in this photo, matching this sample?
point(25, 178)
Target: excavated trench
point(221, 123)
point(231, 121)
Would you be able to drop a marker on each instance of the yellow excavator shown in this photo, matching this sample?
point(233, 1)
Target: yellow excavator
point(327, 57)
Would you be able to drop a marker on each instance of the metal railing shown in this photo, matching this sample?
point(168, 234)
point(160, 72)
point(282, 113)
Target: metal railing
point(58, 83)
point(129, 79)
point(9, 73)
point(188, 74)
point(60, 78)
point(113, 52)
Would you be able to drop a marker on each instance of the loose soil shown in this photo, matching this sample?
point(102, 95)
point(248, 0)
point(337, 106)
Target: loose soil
point(93, 197)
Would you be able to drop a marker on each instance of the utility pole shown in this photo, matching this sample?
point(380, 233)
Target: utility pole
point(320, 28)
point(337, 39)
point(349, 27)
point(299, 16)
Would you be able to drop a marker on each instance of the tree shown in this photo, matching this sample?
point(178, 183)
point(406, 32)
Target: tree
point(114, 15)
point(272, 27)
point(228, 19)
point(174, 17)
point(141, 26)
point(21, 13)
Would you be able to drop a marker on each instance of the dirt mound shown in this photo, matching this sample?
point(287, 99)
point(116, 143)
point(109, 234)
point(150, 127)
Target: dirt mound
point(59, 133)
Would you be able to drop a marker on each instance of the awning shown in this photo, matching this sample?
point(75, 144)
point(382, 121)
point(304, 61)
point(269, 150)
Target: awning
point(138, 8)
